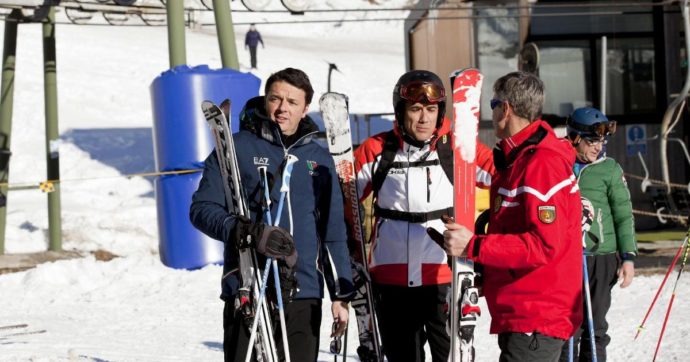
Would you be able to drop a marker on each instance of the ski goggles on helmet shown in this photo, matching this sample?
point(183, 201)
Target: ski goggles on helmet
point(418, 91)
point(602, 129)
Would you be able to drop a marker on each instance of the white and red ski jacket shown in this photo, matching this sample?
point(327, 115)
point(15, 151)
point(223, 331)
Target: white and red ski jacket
point(402, 253)
point(532, 254)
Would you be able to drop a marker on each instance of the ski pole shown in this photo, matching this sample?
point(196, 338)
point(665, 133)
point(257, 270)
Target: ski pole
point(347, 326)
point(670, 304)
point(570, 348)
point(284, 189)
point(588, 301)
point(663, 282)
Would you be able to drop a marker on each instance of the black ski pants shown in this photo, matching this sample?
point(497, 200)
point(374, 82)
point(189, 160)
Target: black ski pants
point(252, 56)
point(603, 275)
point(409, 317)
point(519, 347)
point(303, 322)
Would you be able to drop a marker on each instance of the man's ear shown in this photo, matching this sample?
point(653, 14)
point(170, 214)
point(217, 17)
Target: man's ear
point(306, 110)
point(507, 109)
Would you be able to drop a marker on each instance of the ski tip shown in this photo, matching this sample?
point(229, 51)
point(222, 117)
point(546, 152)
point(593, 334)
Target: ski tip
point(466, 77)
point(332, 95)
point(462, 70)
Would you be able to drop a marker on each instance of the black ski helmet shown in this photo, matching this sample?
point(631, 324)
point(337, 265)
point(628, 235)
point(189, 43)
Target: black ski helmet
point(419, 77)
point(588, 122)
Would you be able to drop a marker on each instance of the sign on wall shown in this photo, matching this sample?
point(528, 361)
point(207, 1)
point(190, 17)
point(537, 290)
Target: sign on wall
point(636, 139)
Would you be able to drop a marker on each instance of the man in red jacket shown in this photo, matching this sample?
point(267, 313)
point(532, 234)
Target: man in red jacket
point(409, 172)
point(532, 254)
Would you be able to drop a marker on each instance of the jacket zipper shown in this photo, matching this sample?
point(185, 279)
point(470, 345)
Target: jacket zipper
point(428, 185)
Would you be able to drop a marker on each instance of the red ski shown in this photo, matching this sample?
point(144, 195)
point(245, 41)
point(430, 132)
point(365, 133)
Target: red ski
point(464, 311)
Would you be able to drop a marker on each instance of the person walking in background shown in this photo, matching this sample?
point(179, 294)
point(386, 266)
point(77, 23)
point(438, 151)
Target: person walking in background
point(409, 172)
point(272, 127)
point(532, 254)
point(610, 241)
point(251, 41)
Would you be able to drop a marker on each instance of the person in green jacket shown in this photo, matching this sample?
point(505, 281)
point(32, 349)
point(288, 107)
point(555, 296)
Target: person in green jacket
point(610, 241)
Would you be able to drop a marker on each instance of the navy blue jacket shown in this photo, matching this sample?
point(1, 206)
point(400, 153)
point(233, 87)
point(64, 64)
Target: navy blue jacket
point(252, 39)
point(314, 213)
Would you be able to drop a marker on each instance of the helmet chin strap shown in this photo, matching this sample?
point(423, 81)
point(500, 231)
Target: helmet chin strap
point(409, 139)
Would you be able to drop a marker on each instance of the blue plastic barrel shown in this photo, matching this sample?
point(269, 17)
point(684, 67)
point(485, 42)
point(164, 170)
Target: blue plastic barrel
point(182, 141)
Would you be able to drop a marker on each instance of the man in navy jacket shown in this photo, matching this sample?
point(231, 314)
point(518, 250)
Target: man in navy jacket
point(272, 127)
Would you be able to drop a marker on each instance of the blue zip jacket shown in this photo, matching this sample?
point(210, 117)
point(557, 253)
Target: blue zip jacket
point(313, 210)
point(252, 39)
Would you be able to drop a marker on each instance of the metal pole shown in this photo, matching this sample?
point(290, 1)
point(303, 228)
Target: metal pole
point(226, 34)
point(52, 133)
point(176, 40)
point(666, 126)
point(604, 57)
point(6, 101)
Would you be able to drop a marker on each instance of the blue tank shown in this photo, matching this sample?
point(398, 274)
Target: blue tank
point(182, 141)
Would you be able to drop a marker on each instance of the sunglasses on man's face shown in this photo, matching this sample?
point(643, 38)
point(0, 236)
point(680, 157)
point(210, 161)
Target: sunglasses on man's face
point(495, 103)
point(594, 141)
point(336, 343)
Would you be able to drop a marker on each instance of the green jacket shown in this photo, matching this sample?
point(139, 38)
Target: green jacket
point(613, 229)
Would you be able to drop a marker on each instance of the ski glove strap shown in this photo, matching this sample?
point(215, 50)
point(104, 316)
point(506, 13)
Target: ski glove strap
point(271, 241)
point(587, 214)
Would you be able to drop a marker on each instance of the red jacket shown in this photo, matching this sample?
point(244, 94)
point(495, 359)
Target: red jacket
point(402, 253)
point(532, 255)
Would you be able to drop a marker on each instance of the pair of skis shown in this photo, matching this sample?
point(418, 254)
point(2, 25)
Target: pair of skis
point(250, 300)
point(463, 296)
point(336, 119)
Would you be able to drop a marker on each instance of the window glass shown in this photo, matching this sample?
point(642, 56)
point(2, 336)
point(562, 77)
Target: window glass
point(630, 77)
point(565, 69)
point(497, 47)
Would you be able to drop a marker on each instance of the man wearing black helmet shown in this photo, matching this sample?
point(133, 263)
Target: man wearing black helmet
point(610, 240)
point(409, 172)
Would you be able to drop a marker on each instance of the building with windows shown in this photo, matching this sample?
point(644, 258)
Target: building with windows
point(628, 59)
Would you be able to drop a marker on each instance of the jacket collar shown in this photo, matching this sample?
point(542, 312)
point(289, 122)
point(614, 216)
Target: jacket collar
point(507, 149)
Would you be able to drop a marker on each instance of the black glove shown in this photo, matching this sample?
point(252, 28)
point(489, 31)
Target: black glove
point(272, 241)
point(288, 281)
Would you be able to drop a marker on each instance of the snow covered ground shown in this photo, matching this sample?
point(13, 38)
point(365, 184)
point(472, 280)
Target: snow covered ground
point(133, 308)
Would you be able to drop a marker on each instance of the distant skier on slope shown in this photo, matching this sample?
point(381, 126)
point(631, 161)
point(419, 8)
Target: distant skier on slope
point(273, 126)
point(532, 255)
point(409, 171)
point(611, 246)
point(251, 42)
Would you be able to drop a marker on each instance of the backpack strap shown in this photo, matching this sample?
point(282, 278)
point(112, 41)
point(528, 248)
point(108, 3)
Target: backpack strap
point(390, 147)
point(445, 156)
